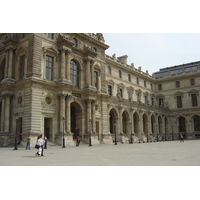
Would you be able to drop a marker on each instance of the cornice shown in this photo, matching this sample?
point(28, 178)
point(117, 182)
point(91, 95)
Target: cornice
point(92, 40)
point(128, 68)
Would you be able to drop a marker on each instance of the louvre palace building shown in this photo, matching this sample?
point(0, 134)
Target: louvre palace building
point(64, 86)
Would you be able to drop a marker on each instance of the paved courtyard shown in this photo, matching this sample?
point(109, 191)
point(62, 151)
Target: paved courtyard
point(170, 153)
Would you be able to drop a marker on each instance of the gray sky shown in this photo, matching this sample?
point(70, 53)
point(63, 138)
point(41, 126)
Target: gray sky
point(153, 51)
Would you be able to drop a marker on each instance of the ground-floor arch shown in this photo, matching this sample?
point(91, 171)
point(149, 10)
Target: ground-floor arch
point(76, 119)
point(113, 120)
point(136, 124)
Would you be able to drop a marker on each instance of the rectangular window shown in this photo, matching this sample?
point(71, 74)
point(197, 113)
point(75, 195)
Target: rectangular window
point(96, 79)
point(23, 35)
point(138, 81)
point(121, 92)
point(179, 101)
point(152, 101)
point(159, 86)
point(110, 90)
point(21, 67)
point(161, 103)
point(145, 84)
point(109, 70)
point(49, 67)
point(151, 86)
point(129, 77)
point(177, 84)
point(120, 74)
point(194, 100)
point(192, 81)
point(145, 99)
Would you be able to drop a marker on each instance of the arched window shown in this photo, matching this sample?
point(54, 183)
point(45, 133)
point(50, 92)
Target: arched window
point(74, 73)
point(2, 69)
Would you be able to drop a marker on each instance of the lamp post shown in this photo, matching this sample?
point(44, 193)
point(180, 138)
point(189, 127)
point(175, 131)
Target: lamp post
point(172, 134)
point(131, 140)
point(63, 119)
point(115, 133)
point(90, 139)
point(16, 117)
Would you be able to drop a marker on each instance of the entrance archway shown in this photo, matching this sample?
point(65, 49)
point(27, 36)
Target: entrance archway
point(48, 128)
point(136, 123)
point(76, 119)
point(145, 123)
point(112, 120)
point(125, 121)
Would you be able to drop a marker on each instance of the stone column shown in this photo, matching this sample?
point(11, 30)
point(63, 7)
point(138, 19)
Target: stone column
point(141, 127)
point(7, 114)
point(10, 63)
point(62, 70)
point(6, 64)
point(2, 114)
point(62, 111)
point(88, 74)
point(68, 115)
point(163, 127)
point(99, 81)
point(131, 121)
point(88, 114)
point(133, 125)
point(120, 120)
point(68, 64)
point(92, 73)
point(93, 117)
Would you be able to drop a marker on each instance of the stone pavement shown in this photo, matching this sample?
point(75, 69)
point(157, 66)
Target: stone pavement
point(170, 153)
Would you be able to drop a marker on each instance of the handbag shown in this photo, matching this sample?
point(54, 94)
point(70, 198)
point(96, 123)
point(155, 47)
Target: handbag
point(37, 146)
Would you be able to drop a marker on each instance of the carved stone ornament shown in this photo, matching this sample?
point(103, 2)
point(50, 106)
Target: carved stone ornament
point(48, 100)
point(19, 100)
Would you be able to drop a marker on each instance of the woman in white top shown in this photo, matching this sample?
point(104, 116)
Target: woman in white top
point(40, 143)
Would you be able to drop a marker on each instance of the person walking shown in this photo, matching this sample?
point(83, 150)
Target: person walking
point(77, 141)
point(181, 138)
point(40, 143)
point(28, 140)
point(45, 144)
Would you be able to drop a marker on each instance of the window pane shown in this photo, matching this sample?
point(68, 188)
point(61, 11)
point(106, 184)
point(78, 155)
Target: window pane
point(194, 99)
point(49, 67)
point(74, 73)
point(179, 101)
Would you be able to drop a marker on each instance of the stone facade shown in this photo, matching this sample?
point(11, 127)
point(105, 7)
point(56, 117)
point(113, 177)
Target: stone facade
point(64, 85)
